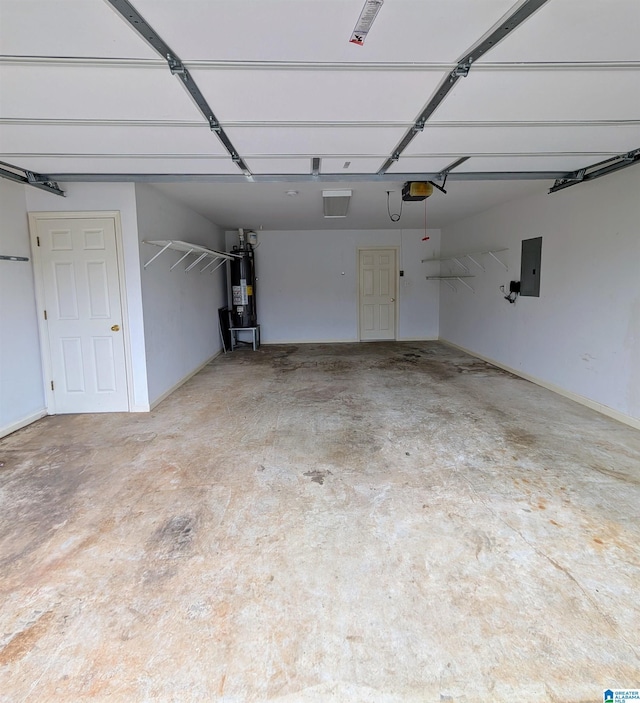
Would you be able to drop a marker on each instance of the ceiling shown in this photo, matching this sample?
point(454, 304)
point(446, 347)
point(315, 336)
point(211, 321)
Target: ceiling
point(84, 97)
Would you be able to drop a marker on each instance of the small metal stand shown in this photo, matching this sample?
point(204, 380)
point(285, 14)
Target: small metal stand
point(255, 336)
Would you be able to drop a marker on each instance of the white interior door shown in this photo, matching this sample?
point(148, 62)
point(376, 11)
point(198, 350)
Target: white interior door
point(377, 274)
point(81, 290)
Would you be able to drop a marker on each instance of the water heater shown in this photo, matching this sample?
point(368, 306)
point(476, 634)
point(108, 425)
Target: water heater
point(243, 282)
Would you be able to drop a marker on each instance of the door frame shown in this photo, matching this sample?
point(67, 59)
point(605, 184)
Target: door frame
point(378, 247)
point(43, 331)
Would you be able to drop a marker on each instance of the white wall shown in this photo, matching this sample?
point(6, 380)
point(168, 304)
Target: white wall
point(303, 296)
point(583, 333)
point(180, 309)
point(21, 384)
point(105, 197)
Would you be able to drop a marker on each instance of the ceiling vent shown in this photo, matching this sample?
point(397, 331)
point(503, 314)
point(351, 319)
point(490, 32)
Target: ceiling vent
point(336, 202)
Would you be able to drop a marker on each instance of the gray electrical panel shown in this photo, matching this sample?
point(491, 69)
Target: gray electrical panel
point(530, 267)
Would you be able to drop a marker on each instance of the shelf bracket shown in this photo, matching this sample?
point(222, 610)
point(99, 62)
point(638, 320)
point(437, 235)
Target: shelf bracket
point(196, 262)
point(155, 256)
point(452, 277)
point(477, 263)
point(182, 258)
point(218, 266)
point(493, 256)
point(204, 268)
point(464, 283)
point(187, 248)
point(457, 260)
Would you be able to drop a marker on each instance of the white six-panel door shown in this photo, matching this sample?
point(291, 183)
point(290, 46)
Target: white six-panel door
point(377, 276)
point(83, 311)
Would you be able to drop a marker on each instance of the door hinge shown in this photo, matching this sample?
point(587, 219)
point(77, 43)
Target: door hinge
point(45, 314)
point(38, 241)
point(52, 388)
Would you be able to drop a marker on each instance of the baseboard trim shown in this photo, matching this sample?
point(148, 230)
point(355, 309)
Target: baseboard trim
point(15, 426)
point(274, 342)
point(177, 385)
point(587, 402)
point(417, 339)
point(349, 341)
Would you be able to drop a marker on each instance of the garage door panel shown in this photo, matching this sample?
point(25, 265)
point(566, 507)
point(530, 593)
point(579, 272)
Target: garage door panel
point(542, 95)
point(332, 95)
point(471, 139)
point(315, 141)
point(307, 30)
point(109, 139)
point(96, 92)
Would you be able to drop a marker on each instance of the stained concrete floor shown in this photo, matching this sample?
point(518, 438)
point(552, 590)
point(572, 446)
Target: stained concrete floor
point(362, 523)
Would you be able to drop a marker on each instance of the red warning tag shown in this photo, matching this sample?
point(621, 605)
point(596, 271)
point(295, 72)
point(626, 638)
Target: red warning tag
point(363, 25)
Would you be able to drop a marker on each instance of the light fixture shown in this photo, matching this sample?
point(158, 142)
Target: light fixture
point(336, 202)
point(291, 193)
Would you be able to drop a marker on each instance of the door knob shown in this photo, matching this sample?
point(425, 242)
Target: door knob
point(115, 328)
point(393, 300)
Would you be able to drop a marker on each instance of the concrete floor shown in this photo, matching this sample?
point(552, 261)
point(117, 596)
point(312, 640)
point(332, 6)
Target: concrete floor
point(359, 522)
